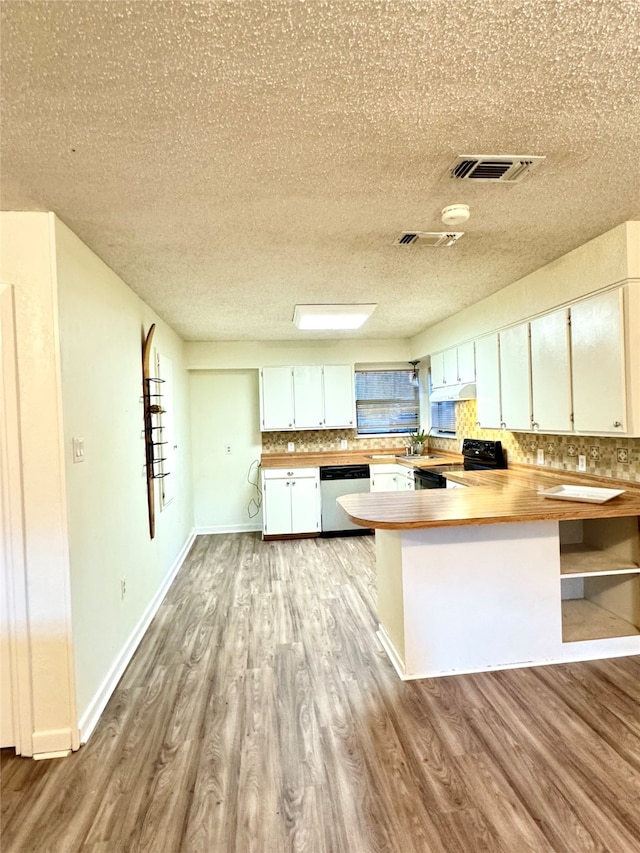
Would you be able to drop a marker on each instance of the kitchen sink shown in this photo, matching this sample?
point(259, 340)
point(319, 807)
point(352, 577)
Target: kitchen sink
point(400, 456)
point(416, 456)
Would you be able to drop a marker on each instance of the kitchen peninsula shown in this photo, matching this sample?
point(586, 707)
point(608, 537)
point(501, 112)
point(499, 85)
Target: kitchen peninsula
point(496, 576)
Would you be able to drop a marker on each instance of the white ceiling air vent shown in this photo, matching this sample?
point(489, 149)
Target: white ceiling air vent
point(493, 168)
point(428, 238)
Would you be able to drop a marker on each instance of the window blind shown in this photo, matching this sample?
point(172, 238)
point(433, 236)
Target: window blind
point(443, 416)
point(386, 402)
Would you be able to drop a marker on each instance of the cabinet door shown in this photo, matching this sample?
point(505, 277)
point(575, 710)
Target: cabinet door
point(515, 394)
point(276, 398)
point(405, 481)
point(339, 396)
point(488, 382)
point(437, 370)
point(305, 505)
point(451, 366)
point(550, 372)
point(597, 352)
point(466, 363)
point(307, 397)
point(383, 481)
point(277, 507)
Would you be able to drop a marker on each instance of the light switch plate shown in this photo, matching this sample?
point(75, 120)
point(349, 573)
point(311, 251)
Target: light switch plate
point(78, 449)
point(344, 444)
point(291, 447)
point(540, 458)
point(582, 463)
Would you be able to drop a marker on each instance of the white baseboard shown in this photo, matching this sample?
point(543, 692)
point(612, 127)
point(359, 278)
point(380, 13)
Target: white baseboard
point(229, 528)
point(96, 706)
point(51, 743)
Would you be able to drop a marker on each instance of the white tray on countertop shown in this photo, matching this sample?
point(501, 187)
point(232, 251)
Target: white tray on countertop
point(586, 494)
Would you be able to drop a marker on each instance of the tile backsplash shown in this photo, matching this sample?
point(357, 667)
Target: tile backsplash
point(310, 441)
point(616, 457)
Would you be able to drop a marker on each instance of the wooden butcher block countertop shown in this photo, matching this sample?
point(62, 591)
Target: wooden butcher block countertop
point(357, 457)
point(494, 497)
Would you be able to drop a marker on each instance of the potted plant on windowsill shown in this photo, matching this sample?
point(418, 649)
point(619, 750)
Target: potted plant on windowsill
point(418, 441)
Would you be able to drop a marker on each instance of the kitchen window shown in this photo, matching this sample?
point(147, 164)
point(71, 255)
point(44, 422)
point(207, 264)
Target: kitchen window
point(443, 418)
point(442, 415)
point(386, 402)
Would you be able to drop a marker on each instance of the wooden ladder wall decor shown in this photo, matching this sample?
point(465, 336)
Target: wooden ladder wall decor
point(152, 407)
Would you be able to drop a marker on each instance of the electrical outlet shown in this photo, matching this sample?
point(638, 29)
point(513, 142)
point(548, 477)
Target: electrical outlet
point(582, 463)
point(344, 444)
point(291, 447)
point(540, 457)
point(123, 588)
point(227, 449)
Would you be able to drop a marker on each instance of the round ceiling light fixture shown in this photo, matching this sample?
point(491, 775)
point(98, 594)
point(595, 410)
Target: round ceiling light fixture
point(455, 214)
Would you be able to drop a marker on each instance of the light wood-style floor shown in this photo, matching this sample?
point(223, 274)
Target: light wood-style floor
point(260, 714)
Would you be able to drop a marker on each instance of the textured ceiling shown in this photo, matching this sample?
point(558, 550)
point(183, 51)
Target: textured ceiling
point(229, 159)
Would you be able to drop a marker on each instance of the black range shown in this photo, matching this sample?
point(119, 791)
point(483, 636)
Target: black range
point(477, 455)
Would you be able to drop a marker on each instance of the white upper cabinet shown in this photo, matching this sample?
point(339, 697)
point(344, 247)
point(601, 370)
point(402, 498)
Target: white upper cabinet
point(339, 396)
point(453, 366)
point(598, 364)
point(488, 382)
point(437, 370)
point(307, 397)
point(515, 392)
point(551, 372)
point(466, 362)
point(276, 398)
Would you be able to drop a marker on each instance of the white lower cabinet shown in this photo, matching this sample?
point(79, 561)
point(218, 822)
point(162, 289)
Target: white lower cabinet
point(405, 479)
point(452, 485)
point(291, 501)
point(384, 478)
point(389, 477)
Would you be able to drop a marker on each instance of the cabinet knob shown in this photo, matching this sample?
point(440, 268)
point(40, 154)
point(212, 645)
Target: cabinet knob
point(502, 424)
point(320, 422)
point(289, 473)
point(293, 482)
point(477, 423)
point(617, 423)
point(535, 424)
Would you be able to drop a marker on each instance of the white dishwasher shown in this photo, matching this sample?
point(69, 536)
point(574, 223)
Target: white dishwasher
point(335, 481)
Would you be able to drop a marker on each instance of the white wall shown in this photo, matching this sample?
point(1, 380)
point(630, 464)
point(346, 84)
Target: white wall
point(234, 355)
point(606, 260)
point(102, 327)
point(225, 411)
point(27, 261)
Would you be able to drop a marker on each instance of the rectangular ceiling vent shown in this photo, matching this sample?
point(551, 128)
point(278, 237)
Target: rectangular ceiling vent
point(435, 239)
point(493, 168)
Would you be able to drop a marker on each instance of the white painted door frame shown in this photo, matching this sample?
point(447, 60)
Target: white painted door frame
point(12, 561)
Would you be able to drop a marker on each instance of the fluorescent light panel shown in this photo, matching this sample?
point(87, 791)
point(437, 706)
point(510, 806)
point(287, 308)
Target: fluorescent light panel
point(331, 317)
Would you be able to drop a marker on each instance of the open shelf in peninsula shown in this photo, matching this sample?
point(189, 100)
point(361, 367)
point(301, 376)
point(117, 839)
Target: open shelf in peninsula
point(600, 578)
point(533, 581)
